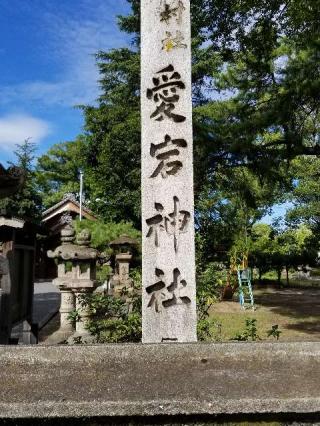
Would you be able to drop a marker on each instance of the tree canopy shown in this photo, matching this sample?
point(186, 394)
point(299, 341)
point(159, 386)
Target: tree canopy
point(306, 193)
point(27, 201)
point(255, 76)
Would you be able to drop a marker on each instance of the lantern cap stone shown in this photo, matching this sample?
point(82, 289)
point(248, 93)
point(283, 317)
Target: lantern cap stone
point(123, 240)
point(70, 251)
point(73, 252)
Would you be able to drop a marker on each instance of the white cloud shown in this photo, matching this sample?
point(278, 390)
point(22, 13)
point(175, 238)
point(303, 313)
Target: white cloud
point(71, 43)
point(14, 129)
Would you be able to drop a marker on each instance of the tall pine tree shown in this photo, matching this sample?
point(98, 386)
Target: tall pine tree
point(255, 71)
point(27, 201)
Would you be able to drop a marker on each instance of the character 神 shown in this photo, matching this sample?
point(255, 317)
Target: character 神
point(174, 223)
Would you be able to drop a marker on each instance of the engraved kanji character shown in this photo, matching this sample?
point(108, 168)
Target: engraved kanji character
point(163, 153)
point(171, 8)
point(174, 223)
point(171, 42)
point(167, 296)
point(156, 224)
point(156, 291)
point(175, 288)
point(164, 94)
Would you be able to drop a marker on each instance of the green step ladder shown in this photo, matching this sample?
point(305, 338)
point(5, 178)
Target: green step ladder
point(245, 289)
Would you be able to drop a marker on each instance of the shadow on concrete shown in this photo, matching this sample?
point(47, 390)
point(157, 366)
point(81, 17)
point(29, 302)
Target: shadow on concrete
point(45, 306)
point(51, 327)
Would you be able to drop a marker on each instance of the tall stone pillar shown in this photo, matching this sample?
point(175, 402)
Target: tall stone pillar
point(168, 253)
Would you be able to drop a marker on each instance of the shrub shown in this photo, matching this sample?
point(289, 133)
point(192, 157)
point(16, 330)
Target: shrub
point(209, 330)
point(115, 320)
point(274, 332)
point(209, 285)
point(250, 332)
point(103, 233)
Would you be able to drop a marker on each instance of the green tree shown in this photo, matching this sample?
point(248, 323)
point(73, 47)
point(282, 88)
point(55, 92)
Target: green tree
point(57, 171)
point(255, 75)
point(103, 233)
point(293, 247)
point(268, 72)
point(113, 138)
point(228, 208)
point(306, 193)
point(27, 202)
point(272, 249)
point(262, 247)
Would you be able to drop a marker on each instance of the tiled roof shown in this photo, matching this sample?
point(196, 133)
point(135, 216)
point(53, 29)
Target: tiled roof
point(65, 200)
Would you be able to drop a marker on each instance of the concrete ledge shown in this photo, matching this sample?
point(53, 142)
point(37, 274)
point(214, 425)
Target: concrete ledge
point(159, 380)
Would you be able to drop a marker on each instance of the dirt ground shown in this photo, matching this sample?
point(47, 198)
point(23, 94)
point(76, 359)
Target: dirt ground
point(295, 311)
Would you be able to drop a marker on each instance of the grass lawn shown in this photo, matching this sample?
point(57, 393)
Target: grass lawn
point(295, 310)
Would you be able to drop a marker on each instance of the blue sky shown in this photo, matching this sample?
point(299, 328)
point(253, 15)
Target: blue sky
point(278, 211)
point(47, 66)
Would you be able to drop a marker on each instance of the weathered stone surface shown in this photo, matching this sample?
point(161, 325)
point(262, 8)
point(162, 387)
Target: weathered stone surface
point(4, 265)
point(152, 380)
point(168, 260)
point(74, 282)
point(72, 251)
point(123, 243)
point(67, 305)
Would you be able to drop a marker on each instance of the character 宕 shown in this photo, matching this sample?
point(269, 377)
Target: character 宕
point(163, 153)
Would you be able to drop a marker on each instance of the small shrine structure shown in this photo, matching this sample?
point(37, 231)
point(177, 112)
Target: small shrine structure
point(68, 209)
point(54, 220)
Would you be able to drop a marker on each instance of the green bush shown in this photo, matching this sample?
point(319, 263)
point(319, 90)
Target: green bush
point(103, 233)
point(103, 273)
point(209, 285)
point(274, 332)
point(250, 331)
point(209, 330)
point(115, 320)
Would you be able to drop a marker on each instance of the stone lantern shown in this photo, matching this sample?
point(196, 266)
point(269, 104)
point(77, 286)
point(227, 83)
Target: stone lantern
point(76, 277)
point(123, 247)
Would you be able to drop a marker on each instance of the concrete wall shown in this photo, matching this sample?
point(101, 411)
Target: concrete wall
point(183, 381)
